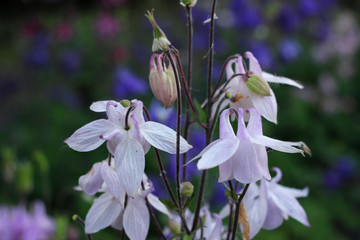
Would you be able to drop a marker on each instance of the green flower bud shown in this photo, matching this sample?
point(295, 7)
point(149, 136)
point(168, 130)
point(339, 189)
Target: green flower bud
point(174, 227)
point(186, 189)
point(228, 95)
point(125, 103)
point(258, 85)
point(75, 217)
point(189, 3)
point(160, 41)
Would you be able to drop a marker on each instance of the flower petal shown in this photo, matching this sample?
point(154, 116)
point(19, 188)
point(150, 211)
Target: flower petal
point(89, 137)
point(112, 181)
point(266, 105)
point(163, 137)
point(218, 153)
point(130, 164)
point(158, 205)
point(216, 230)
point(276, 79)
point(136, 219)
point(226, 171)
point(91, 182)
point(254, 126)
point(278, 145)
point(253, 64)
point(226, 130)
point(99, 106)
point(102, 213)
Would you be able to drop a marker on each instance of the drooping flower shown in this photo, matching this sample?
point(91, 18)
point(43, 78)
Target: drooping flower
point(128, 139)
point(246, 96)
point(242, 156)
point(162, 80)
point(110, 209)
point(268, 205)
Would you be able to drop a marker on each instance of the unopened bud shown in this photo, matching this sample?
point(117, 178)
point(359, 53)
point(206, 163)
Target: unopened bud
point(189, 3)
point(75, 217)
point(186, 189)
point(258, 85)
point(162, 80)
point(174, 227)
point(160, 41)
point(228, 95)
point(125, 103)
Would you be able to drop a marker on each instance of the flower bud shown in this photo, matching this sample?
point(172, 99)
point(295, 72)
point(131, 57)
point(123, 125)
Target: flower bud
point(125, 103)
point(162, 80)
point(174, 227)
point(160, 41)
point(189, 3)
point(186, 189)
point(258, 85)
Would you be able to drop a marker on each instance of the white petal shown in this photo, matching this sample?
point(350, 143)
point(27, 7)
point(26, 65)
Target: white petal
point(278, 145)
point(229, 68)
point(118, 223)
point(276, 79)
point(226, 130)
point(226, 171)
point(91, 182)
point(88, 137)
point(112, 181)
point(130, 164)
point(256, 207)
point(158, 205)
point(274, 216)
point(136, 219)
point(216, 230)
point(218, 153)
point(163, 137)
point(254, 64)
point(287, 203)
point(102, 213)
point(254, 126)
point(266, 106)
point(99, 106)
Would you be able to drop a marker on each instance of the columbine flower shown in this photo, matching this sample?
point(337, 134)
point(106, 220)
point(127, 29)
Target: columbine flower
point(242, 156)
point(162, 80)
point(128, 140)
point(160, 41)
point(109, 208)
point(268, 205)
point(252, 89)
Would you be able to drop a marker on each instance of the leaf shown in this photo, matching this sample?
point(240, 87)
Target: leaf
point(200, 111)
point(188, 201)
point(244, 221)
point(169, 204)
point(176, 235)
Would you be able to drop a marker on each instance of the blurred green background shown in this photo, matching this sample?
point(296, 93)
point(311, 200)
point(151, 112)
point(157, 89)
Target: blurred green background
point(57, 57)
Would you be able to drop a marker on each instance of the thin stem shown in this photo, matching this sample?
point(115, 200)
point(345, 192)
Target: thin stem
point(189, 72)
point(208, 131)
point(153, 215)
point(161, 167)
point(222, 73)
point(127, 118)
point(178, 131)
point(82, 223)
point(230, 219)
point(109, 159)
point(238, 210)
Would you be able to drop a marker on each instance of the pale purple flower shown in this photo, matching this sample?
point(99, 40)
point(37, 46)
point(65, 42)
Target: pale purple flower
point(127, 83)
point(128, 146)
point(266, 105)
point(242, 156)
point(109, 208)
point(270, 203)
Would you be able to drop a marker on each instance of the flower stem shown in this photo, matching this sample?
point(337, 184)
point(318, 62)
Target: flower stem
point(178, 131)
point(161, 167)
point(189, 73)
point(82, 223)
point(238, 210)
point(209, 100)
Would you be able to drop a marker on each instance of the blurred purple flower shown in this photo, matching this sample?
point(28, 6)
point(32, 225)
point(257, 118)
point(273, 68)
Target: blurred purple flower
point(106, 26)
point(18, 224)
point(126, 84)
point(288, 19)
point(246, 15)
point(309, 8)
point(70, 61)
point(339, 173)
point(218, 198)
point(263, 54)
point(32, 28)
point(39, 55)
point(289, 50)
point(64, 32)
point(162, 115)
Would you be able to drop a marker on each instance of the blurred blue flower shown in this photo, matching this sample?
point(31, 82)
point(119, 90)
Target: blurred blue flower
point(127, 84)
point(162, 115)
point(339, 173)
point(70, 62)
point(289, 19)
point(289, 49)
point(309, 8)
point(39, 54)
point(159, 186)
point(218, 198)
point(263, 54)
point(246, 15)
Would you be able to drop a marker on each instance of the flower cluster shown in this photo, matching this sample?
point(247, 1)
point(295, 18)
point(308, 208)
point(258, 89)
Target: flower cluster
point(126, 194)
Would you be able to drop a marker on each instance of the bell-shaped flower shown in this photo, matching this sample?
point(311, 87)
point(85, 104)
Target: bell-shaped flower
point(251, 89)
point(270, 203)
point(162, 80)
point(129, 138)
point(242, 156)
point(110, 209)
